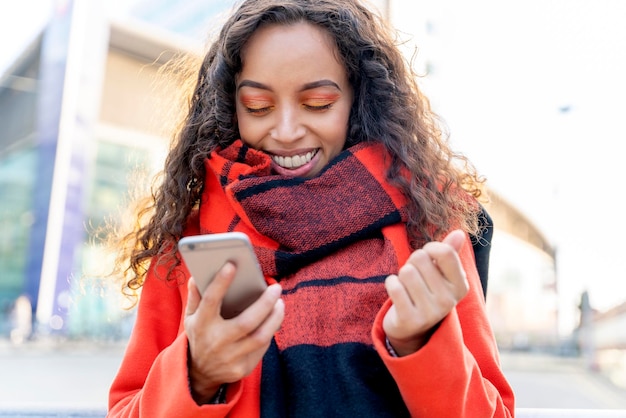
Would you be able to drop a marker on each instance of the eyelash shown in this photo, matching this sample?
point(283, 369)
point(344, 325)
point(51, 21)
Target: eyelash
point(319, 108)
point(257, 111)
point(263, 110)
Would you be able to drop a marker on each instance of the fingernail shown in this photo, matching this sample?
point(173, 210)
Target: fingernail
point(227, 268)
point(276, 290)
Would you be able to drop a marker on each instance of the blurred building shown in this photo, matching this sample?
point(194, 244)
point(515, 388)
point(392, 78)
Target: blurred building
point(601, 339)
point(522, 296)
point(83, 111)
point(522, 299)
point(85, 108)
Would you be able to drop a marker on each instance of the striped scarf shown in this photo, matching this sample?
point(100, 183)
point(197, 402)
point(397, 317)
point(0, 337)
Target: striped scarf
point(330, 241)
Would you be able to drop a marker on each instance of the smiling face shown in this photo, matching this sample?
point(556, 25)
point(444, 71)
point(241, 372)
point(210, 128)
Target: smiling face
point(293, 98)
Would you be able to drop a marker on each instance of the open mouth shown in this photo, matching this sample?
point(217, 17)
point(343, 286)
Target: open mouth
point(294, 161)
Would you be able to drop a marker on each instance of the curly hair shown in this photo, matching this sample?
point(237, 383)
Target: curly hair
point(388, 107)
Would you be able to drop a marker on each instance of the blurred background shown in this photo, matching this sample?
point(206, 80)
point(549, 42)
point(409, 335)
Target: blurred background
point(532, 92)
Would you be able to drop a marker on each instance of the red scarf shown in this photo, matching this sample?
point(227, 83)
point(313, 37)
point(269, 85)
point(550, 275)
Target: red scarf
point(330, 241)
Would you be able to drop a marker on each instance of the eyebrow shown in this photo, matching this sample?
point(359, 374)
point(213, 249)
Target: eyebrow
point(307, 86)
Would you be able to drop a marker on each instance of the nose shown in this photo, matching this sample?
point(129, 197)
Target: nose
point(288, 127)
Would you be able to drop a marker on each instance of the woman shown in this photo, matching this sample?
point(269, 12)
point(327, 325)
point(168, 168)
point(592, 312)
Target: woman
point(306, 131)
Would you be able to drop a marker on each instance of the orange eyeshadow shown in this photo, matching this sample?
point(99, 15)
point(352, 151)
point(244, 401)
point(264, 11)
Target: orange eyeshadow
point(320, 97)
point(252, 101)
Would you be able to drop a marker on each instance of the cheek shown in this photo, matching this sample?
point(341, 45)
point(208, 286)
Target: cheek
point(334, 141)
point(249, 131)
point(337, 131)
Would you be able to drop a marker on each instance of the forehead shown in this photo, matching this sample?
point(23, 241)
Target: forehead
point(299, 41)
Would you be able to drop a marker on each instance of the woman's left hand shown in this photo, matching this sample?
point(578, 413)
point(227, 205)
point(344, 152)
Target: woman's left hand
point(425, 290)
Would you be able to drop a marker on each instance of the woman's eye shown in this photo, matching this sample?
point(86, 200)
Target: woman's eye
point(317, 107)
point(258, 111)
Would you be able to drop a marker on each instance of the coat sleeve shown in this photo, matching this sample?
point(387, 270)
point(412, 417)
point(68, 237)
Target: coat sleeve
point(152, 380)
point(457, 373)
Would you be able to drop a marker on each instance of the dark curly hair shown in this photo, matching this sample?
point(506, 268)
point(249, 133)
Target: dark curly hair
point(388, 107)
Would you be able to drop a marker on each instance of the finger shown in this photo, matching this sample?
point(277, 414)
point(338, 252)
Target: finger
point(405, 317)
point(216, 290)
point(429, 273)
point(400, 302)
point(447, 261)
point(193, 297)
point(264, 332)
point(261, 336)
point(425, 267)
point(257, 313)
point(445, 257)
point(455, 239)
point(397, 289)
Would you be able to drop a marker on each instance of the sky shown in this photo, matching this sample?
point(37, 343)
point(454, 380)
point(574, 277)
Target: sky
point(19, 24)
point(533, 92)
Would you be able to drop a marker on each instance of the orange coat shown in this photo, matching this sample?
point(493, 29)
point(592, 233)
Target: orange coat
point(456, 374)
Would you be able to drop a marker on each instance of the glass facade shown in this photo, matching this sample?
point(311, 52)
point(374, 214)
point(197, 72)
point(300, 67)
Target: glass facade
point(16, 191)
point(18, 164)
point(83, 304)
point(96, 304)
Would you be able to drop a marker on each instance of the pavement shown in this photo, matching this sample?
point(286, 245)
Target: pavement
point(541, 380)
point(52, 379)
point(48, 376)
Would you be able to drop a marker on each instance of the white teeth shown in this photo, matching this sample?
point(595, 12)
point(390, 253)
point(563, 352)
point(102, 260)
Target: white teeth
point(294, 161)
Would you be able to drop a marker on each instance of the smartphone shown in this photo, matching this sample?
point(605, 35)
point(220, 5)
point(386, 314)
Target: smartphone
point(205, 255)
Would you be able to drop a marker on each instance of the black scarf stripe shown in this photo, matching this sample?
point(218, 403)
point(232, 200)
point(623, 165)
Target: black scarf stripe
point(334, 388)
point(288, 262)
point(335, 281)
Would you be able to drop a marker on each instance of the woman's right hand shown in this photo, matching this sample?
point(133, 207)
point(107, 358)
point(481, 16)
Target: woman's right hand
point(226, 350)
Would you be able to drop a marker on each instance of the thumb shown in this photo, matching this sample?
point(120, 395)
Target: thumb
point(455, 239)
point(193, 297)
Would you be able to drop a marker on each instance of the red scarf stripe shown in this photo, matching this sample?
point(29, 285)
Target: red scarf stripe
point(377, 161)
